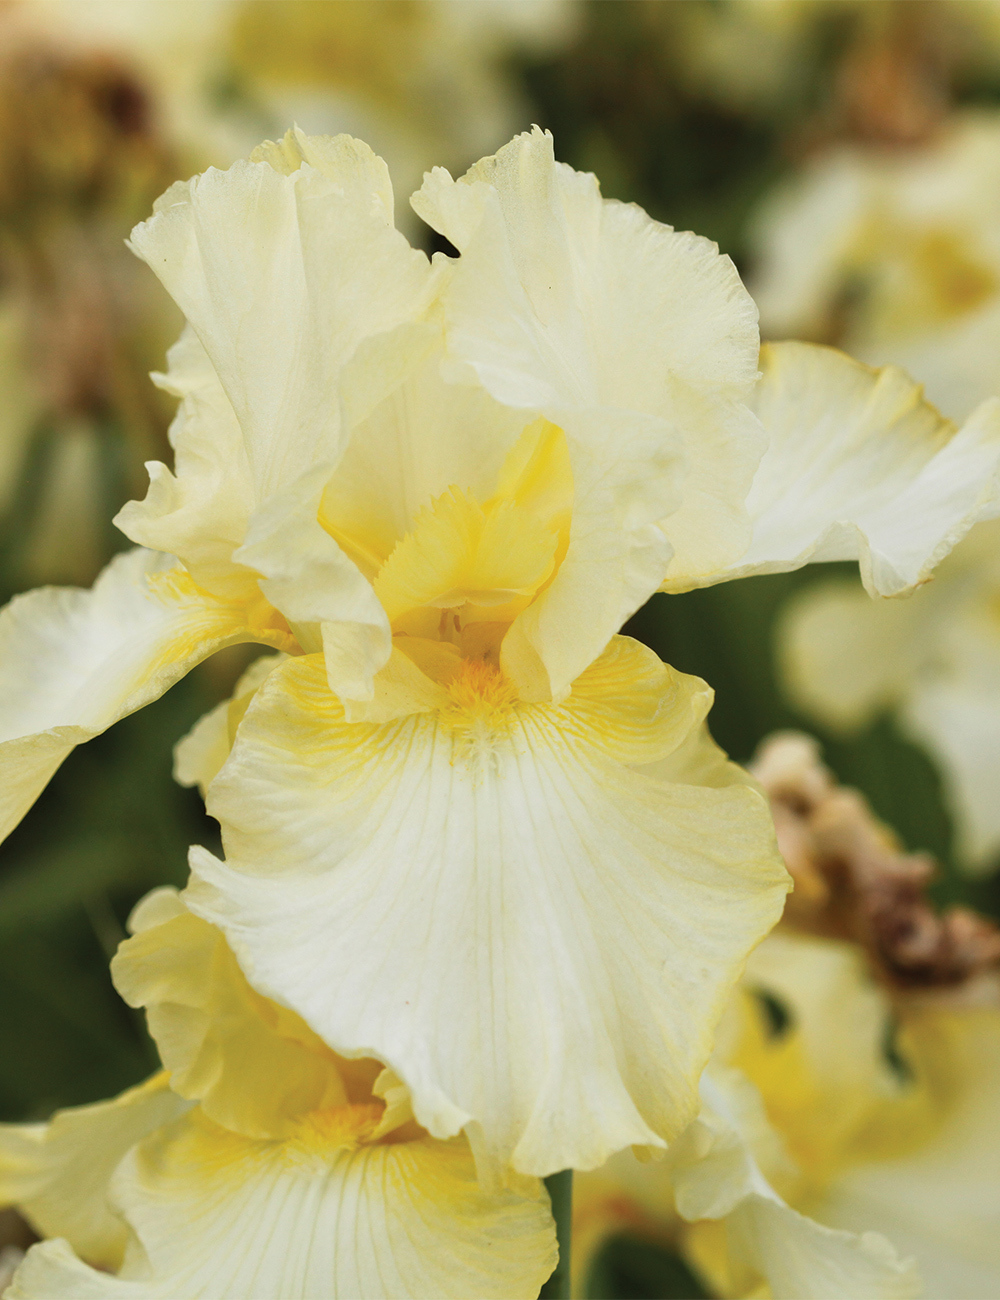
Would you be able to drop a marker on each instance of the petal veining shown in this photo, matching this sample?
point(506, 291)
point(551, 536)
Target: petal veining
point(527, 930)
point(57, 1174)
point(859, 466)
point(217, 1216)
point(74, 661)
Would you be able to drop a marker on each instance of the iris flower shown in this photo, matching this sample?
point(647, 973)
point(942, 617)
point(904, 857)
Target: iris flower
point(846, 1146)
point(257, 1164)
point(470, 830)
point(933, 661)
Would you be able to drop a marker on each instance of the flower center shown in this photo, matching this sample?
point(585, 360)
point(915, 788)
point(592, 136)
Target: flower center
point(335, 1127)
point(454, 583)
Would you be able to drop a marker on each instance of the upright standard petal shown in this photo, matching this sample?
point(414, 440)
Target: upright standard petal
point(536, 937)
point(640, 342)
point(73, 662)
point(57, 1174)
point(217, 1216)
point(860, 467)
point(200, 510)
point(282, 265)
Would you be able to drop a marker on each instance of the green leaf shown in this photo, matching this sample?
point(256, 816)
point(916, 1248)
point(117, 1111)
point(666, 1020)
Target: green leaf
point(627, 1268)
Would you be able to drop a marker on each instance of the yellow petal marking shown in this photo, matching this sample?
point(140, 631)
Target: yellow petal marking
point(829, 1128)
point(462, 553)
point(486, 559)
point(336, 1127)
point(258, 618)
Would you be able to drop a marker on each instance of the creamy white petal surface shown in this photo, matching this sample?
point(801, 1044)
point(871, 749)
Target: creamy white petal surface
point(323, 539)
point(716, 1175)
point(537, 938)
point(933, 659)
point(200, 510)
point(287, 1172)
point(959, 723)
point(844, 656)
point(199, 755)
point(72, 662)
point(895, 255)
point(589, 311)
point(57, 1174)
point(282, 266)
point(222, 1217)
point(858, 466)
point(939, 1203)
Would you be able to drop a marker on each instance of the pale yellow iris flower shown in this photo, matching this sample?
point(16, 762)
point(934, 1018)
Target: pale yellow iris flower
point(894, 254)
point(469, 830)
point(257, 1164)
point(933, 661)
point(846, 1147)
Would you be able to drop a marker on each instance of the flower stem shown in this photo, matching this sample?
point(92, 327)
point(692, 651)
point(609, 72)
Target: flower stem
point(560, 1189)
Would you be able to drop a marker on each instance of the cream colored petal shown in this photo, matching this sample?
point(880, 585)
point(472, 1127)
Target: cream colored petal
point(281, 274)
point(844, 656)
point(805, 233)
point(637, 340)
point(425, 437)
point(933, 658)
point(957, 718)
point(200, 754)
point(72, 662)
point(320, 539)
point(255, 1067)
point(939, 1202)
point(316, 586)
point(803, 1260)
point(716, 1175)
point(57, 1174)
point(955, 362)
point(698, 760)
point(532, 935)
point(616, 558)
point(858, 466)
point(200, 511)
point(841, 1016)
point(221, 1217)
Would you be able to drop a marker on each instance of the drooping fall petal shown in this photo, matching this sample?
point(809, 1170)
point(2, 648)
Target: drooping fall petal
point(527, 929)
point(222, 1217)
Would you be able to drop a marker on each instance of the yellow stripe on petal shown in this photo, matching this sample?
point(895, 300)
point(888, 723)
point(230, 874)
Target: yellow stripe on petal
point(73, 662)
point(217, 1216)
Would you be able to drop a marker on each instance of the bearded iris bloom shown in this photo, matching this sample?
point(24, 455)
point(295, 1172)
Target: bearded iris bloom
point(469, 830)
point(848, 1148)
point(257, 1164)
point(933, 661)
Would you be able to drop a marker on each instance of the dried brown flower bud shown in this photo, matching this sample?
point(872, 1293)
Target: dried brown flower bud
point(854, 881)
